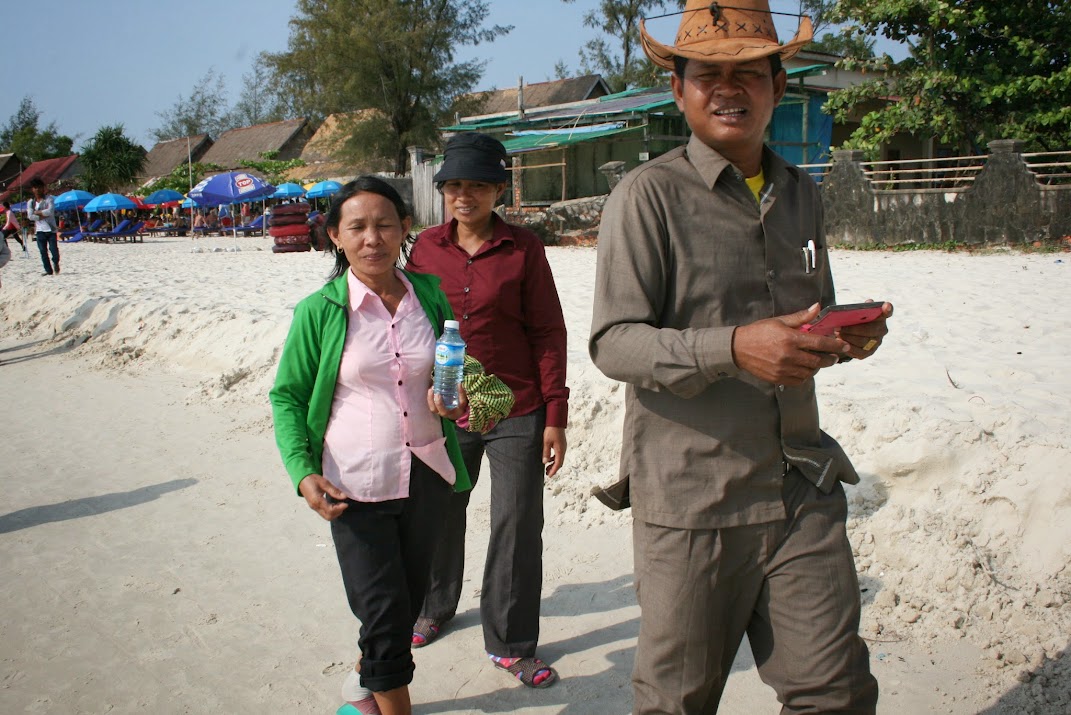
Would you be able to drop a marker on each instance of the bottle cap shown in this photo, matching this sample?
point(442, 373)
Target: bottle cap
point(447, 324)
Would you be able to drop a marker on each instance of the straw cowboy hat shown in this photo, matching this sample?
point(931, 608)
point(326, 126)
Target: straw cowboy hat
point(736, 31)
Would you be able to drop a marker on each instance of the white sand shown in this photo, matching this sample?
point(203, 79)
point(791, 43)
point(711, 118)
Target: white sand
point(155, 558)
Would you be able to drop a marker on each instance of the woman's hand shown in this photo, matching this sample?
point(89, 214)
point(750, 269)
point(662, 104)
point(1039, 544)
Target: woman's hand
point(316, 490)
point(554, 445)
point(436, 405)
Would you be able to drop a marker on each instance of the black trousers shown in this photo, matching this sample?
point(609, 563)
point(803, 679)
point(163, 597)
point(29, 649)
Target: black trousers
point(384, 550)
point(513, 573)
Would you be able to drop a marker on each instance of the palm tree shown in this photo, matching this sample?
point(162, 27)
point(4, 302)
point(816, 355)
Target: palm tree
point(111, 161)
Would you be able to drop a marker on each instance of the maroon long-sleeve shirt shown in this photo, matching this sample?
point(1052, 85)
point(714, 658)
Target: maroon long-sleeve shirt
point(505, 299)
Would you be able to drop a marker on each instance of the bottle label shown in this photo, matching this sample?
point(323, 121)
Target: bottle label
point(449, 354)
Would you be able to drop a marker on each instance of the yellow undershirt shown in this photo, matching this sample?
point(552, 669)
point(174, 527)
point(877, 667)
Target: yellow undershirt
point(755, 183)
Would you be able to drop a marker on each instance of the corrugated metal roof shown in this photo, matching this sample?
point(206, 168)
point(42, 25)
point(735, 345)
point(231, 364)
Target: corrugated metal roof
point(630, 101)
point(541, 141)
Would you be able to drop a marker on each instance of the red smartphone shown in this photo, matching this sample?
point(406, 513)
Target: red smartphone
point(841, 316)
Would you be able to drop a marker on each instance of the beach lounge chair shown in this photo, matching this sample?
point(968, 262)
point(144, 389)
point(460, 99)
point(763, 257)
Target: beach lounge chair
point(256, 226)
point(132, 234)
point(70, 234)
point(107, 235)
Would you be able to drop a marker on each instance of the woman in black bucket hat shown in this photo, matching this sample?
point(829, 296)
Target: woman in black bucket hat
point(500, 286)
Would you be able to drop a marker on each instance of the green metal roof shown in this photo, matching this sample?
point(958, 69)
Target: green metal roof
point(541, 142)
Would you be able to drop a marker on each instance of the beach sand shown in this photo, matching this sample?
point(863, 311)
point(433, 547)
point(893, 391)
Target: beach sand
point(156, 559)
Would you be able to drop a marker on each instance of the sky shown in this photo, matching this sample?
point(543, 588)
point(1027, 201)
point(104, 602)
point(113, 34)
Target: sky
point(104, 62)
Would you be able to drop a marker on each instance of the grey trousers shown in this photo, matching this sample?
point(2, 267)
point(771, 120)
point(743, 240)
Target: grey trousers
point(513, 572)
point(791, 586)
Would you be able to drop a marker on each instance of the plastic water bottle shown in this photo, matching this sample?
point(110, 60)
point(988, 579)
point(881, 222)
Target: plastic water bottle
point(449, 363)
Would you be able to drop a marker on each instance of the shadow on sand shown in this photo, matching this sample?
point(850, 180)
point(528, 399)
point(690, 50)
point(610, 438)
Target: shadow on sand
point(1046, 690)
point(87, 506)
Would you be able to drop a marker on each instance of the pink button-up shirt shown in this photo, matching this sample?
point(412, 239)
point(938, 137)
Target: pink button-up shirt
point(379, 415)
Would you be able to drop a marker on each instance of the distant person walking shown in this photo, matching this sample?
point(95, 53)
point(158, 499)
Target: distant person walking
point(40, 210)
point(12, 227)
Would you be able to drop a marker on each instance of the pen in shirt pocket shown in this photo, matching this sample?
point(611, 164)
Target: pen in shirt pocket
point(809, 256)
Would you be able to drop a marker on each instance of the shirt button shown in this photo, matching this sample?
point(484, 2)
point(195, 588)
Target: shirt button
point(405, 414)
point(465, 316)
point(781, 388)
point(469, 262)
point(466, 289)
point(397, 354)
point(770, 274)
point(406, 444)
point(399, 382)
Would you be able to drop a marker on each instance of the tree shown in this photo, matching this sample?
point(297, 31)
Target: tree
point(393, 58)
point(183, 177)
point(258, 102)
point(977, 71)
point(620, 20)
point(22, 136)
point(203, 112)
point(111, 161)
point(844, 42)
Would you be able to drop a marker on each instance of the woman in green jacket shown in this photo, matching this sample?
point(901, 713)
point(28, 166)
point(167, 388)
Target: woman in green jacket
point(362, 437)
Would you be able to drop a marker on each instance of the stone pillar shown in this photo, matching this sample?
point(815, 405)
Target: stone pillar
point(1006, 146)
point(848, 200)
point(1003, 205)
point(614, 171)
point(855, 155)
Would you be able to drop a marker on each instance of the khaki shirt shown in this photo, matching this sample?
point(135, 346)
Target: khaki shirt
point(685, 255)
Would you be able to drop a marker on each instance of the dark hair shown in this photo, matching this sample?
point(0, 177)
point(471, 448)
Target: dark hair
point(7, 205)
point(680, 63)
point(36, 181)
point(361, 185)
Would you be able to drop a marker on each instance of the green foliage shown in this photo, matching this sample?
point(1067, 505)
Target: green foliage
point(258, 102)
point(393, 59)
point(977, 71)
point(179, 179)
point(846, 43)
point(273, 170)
point(22, 136)
point(204, 111)
point(111, 161)
point(618, 22)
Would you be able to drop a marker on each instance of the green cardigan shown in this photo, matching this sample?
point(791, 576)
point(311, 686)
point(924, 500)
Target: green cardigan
point(308, 370)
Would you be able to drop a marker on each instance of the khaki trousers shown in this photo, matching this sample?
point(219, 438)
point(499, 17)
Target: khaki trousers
point(791, 586)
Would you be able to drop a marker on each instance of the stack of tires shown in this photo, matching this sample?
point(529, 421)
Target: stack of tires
point(289, 227)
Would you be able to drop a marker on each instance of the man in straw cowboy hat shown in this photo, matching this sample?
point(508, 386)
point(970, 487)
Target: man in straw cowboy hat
point(711, 257)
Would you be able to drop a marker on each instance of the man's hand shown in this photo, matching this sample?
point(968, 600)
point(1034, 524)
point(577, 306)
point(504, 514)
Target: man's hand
point(315, 488)
point(554, 446)
point(865, 338)
point(774, 350)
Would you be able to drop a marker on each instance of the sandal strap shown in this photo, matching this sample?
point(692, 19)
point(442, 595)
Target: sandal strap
point(427, 628)
point(526, 670)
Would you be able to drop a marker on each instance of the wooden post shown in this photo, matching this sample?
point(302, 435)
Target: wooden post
point(563, 174)
point(518, 182)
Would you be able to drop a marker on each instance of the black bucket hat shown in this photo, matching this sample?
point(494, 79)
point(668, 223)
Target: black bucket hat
point(474, 157)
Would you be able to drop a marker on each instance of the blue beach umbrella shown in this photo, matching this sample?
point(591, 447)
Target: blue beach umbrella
point(323, 189)
point(229, 188)
point(109, 202)
point(188, 204)
point(163, 196)
point(288, 190)
point(72, 200)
